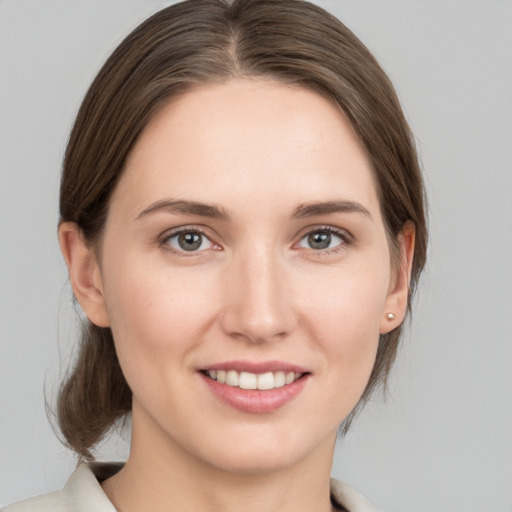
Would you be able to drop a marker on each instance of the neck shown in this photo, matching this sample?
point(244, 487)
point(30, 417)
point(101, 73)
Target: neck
point(165, 477)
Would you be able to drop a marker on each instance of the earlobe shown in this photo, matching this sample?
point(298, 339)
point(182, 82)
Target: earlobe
point(396, 302)
point(84, 273)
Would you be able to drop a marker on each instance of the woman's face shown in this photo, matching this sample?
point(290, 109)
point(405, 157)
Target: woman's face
point(245, 242)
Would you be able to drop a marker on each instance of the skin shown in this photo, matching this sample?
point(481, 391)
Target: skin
point(256, 290)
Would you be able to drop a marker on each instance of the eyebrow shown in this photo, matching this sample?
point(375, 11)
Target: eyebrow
point(304, 210)
point(325, 208)
point(185, 208)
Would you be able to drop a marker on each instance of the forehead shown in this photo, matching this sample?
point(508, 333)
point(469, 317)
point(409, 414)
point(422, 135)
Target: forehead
point(249, 136)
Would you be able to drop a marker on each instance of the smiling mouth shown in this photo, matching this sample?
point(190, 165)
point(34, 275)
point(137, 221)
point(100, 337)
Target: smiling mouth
point(248, 380)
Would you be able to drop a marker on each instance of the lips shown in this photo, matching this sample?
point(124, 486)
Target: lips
point(255, 387)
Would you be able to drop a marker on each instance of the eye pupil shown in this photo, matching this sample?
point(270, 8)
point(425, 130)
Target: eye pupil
point(190, 241)
point(319, 240)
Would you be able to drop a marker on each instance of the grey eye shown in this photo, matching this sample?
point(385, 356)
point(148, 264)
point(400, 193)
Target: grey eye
point(321, 239)
point(189, 241)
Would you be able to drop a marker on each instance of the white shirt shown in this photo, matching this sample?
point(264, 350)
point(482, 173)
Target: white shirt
point(83, 493)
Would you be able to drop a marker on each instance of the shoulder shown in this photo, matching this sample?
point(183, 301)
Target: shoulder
point(347, 498)
point(82, 493)
point(54, 501)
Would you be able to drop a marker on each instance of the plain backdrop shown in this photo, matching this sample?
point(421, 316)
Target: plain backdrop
point(443, 438)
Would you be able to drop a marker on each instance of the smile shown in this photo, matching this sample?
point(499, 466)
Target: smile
point(248, 380)
point(256, 387)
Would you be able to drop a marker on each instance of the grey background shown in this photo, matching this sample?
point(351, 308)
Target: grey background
point(443, 439)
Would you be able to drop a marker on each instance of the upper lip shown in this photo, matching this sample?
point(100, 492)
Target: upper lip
point(256, 366)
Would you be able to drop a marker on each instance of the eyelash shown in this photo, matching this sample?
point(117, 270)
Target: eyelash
point(166, 237)
point(343, 235)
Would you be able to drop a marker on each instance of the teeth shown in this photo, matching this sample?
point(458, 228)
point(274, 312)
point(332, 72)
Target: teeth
point(266, 381)
point(247, 380)
point(279, 380)
point(232, 378)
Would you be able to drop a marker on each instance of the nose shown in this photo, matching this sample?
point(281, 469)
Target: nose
point(258, 299)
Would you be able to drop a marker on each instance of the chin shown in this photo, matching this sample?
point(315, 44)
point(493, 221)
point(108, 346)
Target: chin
point(261, 454)
point(256, 463)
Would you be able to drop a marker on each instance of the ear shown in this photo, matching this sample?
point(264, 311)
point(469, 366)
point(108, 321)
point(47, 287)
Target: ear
point(396, 301)
point(84, 273)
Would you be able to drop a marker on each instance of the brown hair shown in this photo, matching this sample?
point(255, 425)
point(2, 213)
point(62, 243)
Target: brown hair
point(206, 41)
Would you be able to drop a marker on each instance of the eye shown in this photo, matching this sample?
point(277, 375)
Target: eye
point(323, 239)
point(189, 240)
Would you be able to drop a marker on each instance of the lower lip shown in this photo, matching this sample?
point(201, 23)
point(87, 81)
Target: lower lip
point(255, 400)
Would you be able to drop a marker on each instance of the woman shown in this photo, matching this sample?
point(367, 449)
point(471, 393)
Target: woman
point(242, 218)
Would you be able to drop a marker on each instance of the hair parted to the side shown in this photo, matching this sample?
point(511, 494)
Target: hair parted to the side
point(195, 43)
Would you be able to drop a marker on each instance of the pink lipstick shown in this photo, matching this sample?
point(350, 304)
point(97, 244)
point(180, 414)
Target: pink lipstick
point(255, 387)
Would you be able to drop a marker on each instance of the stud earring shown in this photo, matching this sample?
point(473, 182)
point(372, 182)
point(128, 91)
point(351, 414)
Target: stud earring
point(390, 317)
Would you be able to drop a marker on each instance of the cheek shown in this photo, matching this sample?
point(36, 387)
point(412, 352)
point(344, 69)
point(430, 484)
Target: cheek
point(344, 316)
point(154, 311)
point(158, 318)
point(349, 299)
